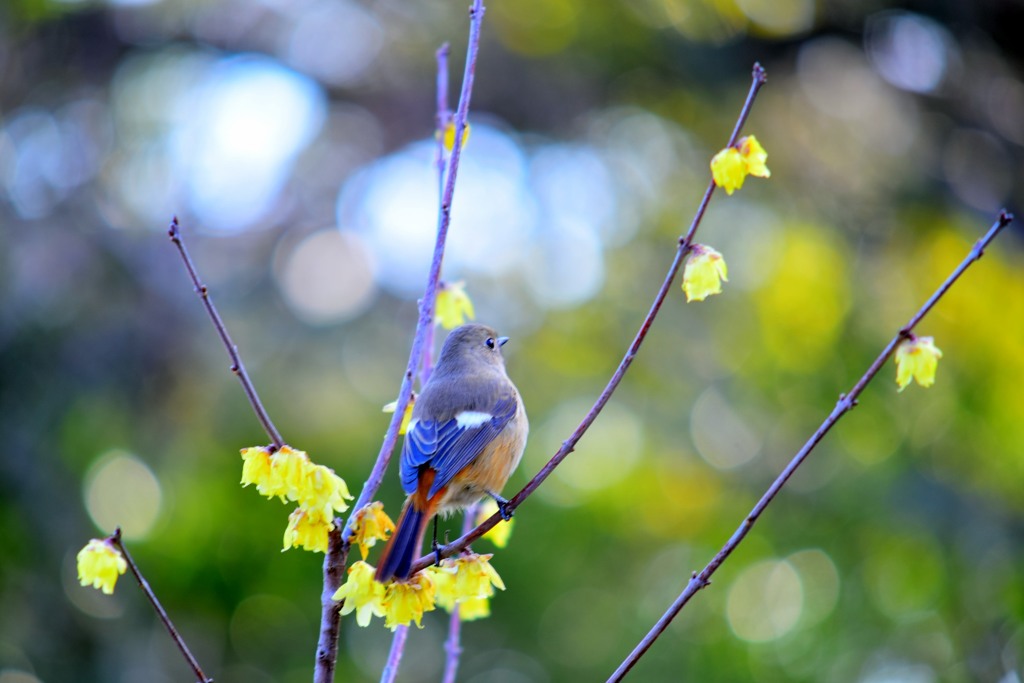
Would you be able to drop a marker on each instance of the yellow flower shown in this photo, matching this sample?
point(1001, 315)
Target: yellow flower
point(361, 593)
point(704, 273)
point(449, 136)
point(475, 577)
point(322, 491)
point(472, 609)
point(443, 576)
point(371, 523)
point(500, 532)
point(391, 407)
point(728, 169)
point(406, 601)
point(467, 577)
point(917, 358)
point(256, 468)
point(732, 165)
point(754, 157)
point(288, 472)
point(454, 307)
point(99, 564)
point(290, 475)
point(308, 530)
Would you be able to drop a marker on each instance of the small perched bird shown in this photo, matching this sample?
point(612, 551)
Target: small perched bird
point(466, 436)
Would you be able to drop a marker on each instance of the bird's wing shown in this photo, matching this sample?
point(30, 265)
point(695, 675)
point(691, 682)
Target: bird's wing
point(448, 446)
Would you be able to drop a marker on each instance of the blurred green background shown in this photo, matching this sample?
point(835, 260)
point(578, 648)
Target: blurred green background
point(294, 141)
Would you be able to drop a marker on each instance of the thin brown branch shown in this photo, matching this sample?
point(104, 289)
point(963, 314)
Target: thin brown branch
point(160, 611)
point(237, 366)
point(685, 243)
point(335, 560)
point(844, 405)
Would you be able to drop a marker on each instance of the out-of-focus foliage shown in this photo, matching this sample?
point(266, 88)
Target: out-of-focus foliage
point(295, 142)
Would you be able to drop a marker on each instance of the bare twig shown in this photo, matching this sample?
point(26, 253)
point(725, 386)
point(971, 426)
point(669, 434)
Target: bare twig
point(845, 404)
point(237, 366)
point(330, 615)
point(452, 648)
point(395, 655)
point(337, 554)
point(160, 612)
point(426, 318)
point(685, 244)
point(426, 364)
point(441, 122)
point(443, 114)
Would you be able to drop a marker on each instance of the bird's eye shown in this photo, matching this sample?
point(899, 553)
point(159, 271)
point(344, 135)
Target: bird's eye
point(490, 342)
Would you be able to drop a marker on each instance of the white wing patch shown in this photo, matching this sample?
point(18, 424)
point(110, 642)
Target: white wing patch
point(468, 419)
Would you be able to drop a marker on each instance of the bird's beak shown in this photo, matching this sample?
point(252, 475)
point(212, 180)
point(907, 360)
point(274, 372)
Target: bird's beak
point(502, 340)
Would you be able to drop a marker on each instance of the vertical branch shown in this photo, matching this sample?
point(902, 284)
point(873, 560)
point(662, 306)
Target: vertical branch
point(335, 560)
point(426, 318)
point(443, 115)
point(452, 648)
point(569, 445)
point(845, 404)
point(160, 612)
point(442, 118)
point(337, 554)
point(395, 655)
point(237, 366)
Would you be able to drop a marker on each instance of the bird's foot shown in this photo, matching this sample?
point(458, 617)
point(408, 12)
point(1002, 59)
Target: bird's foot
point(503, 506)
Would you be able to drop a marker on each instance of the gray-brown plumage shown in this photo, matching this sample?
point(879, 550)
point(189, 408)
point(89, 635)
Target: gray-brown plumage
point(466, 437)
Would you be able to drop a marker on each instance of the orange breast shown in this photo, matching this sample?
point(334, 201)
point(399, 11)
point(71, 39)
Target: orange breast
point(490, 470)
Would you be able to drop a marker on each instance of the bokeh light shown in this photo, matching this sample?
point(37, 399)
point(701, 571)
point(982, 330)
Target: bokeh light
point(615, 444)
point(721, 436)
point(784, 18)
point(327, 277)
point(335, 42)
point(15, 676)
point(910, 51)
point(819, 582)
point(121, 491)
point(515, 216)
point(903, 574)
point(765, 601)
point(246, 121)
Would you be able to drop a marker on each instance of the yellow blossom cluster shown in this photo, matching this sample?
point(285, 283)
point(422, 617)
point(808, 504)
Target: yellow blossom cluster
point(307, 530)
point(466, 582)
point(704, 273)
point(732, 165)
point(454, 306)
point(406, 601)
point(467, 579)
point(369, 525)
point(917, 358)
point(99, 564)
point(290, 475)
point(407, 417)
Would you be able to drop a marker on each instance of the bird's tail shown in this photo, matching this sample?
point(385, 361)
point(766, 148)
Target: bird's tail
point(405, 543)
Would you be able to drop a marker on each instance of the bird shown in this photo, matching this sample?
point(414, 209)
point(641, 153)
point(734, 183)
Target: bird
point(466, 436)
